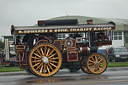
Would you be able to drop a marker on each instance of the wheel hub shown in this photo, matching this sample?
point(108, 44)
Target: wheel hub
point(44, 59)
point(96, 63)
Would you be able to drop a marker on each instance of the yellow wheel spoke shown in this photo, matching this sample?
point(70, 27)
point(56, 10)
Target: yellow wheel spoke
point(91, 61)
point(99, 68)
point(36, 61)
point(52, 55)
point(54, 61)
point(44, 68)
point(36, 64)
point(91, 64)
point(48, 69)
point(48, 52)
point(100, 60)
point(51, 52)
point(41, 69)
point(53, 65)
point(39, 66)
point(42, 51)
point(95, 58)
point(55, 58)
point(38, 52)
point(101, 64)
point(37, 55)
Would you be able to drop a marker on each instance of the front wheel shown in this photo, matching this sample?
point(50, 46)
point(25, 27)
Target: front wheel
point(45, 60)
point(96, 63)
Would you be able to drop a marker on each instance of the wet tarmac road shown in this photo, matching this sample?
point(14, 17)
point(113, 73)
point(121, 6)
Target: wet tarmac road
point(64, 77)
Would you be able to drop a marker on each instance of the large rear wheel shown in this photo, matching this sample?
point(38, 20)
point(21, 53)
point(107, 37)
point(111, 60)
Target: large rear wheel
point(96, 63)
point(45, 60)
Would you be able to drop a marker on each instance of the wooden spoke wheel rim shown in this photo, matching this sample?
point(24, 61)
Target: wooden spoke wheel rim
point(83, 66)
point(96, 63)
point(45, 60)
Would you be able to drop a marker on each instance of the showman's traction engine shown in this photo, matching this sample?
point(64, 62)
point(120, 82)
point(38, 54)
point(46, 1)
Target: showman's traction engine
point(56, 44)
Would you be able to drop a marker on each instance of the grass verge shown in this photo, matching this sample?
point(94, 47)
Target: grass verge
point(117, 64)
point(9, 69)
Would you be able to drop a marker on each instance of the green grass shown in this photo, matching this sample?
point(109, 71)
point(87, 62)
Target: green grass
point(9, 69)
point(117, 64)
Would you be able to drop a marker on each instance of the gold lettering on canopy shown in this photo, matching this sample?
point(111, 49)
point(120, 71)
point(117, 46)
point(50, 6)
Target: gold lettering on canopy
point(65, 30)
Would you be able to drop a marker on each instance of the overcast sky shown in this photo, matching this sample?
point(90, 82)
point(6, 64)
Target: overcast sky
point(27, 12)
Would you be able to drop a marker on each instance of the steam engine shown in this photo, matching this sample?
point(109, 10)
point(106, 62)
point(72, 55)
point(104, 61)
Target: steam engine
point(42, 53)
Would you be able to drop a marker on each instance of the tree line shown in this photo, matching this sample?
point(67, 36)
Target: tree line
point(1, 44)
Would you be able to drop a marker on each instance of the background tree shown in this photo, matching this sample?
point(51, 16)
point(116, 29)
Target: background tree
point(1, 44)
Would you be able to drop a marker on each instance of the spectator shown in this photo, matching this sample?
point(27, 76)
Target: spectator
point(107, 51)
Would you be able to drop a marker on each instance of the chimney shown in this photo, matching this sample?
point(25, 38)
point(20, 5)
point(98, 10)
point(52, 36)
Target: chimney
point(90, 21)
point(41, 22)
